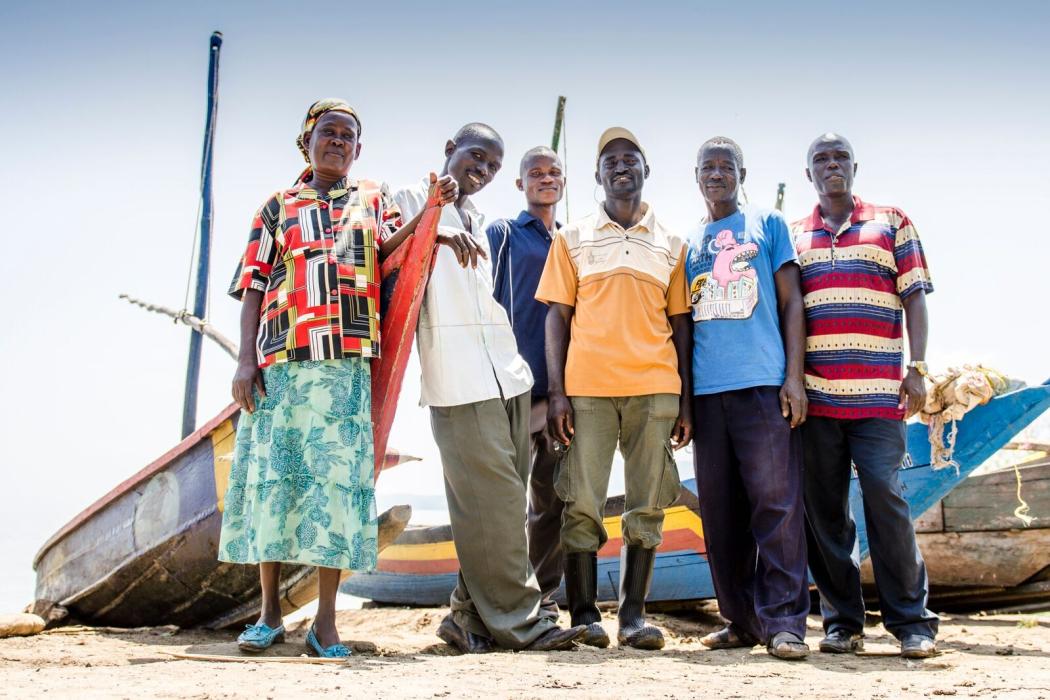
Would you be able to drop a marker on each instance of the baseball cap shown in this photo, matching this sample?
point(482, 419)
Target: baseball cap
point(617, 132)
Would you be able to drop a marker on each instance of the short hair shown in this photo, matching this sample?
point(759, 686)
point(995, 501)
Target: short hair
point(727, 143)
point(534, 152)
point(476, 131)
point(826, 137)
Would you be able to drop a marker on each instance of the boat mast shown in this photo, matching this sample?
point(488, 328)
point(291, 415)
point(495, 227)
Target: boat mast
point(193, 366)
point(559, 122)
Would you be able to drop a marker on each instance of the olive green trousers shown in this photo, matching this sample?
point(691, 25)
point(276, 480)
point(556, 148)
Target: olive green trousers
point(485, 455)
point(641, 426)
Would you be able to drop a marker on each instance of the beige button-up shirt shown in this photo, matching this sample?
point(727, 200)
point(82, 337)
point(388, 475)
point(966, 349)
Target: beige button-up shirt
point(467, 350)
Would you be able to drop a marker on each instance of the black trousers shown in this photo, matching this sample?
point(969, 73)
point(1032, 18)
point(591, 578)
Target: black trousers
point(544, 520)
point(876, 446)
point(749, 479)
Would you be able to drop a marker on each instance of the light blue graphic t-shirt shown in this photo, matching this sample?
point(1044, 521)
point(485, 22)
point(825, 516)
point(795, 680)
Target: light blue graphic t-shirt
point(730, 265)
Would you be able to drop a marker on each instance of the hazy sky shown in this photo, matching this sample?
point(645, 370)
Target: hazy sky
point(946, 104)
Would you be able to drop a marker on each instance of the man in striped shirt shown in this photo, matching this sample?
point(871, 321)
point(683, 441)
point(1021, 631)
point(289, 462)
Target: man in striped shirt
point(863, 276)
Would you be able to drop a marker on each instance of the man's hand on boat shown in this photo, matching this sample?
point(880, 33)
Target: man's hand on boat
point(443, 190)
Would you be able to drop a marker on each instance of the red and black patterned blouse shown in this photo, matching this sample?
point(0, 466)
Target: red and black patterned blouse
point(315, 258)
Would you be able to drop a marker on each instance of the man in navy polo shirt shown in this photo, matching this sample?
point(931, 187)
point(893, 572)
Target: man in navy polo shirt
point(518, 248)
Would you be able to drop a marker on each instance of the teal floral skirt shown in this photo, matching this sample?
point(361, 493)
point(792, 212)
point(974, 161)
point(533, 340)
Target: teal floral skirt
point(301, 484)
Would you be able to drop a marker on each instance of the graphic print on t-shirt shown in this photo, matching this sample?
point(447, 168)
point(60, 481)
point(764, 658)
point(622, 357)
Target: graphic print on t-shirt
point(727, 286)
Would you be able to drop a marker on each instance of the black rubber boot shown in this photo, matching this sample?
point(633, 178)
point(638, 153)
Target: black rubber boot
point(636, 572)
point(581, 590)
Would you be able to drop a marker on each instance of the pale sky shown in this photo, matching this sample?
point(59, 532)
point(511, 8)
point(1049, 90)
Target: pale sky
point(945, 103)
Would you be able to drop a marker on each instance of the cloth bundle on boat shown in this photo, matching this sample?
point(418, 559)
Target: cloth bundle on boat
point(949, 397)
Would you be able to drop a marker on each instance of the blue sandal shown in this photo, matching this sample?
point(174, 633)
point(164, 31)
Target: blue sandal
point(260, 637)
point(336, 651)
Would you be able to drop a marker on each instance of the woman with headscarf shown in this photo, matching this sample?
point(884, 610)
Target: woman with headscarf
point(301, 486)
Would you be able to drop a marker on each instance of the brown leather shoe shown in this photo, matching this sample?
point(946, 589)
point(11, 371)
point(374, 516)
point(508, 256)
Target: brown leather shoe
point(842, 641)
point(557, 639)
point(728, 638)
point(594, 636)
point(787, 646)
point(463, 640)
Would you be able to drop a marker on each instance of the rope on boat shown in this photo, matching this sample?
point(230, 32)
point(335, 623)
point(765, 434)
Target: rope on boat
point(186, 318)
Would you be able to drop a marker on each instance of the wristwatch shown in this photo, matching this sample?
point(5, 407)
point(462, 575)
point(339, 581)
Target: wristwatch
point(920, 367)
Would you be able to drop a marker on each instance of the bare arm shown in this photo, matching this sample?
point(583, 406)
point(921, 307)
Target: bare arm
point(248, 374)
point(559, 410)
point(682, 336)
point(913, 388)
point(793, 401)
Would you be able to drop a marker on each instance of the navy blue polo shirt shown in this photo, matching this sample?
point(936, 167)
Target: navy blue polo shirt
point(518, 249)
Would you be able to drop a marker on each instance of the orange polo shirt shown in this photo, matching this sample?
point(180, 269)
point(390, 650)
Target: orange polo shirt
point(624, 284)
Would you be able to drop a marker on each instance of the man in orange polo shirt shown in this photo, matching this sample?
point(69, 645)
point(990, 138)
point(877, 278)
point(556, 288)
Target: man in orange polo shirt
point(616, 279)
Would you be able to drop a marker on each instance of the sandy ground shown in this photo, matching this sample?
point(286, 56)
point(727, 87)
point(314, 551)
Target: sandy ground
point(398, 656)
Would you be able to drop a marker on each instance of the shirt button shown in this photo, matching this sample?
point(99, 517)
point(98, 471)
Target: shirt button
point(324, 205)
point(334, 293)
point(328, 229)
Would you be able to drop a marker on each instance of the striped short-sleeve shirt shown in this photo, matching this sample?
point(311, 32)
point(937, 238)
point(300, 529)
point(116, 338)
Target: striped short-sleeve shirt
point(853, 284)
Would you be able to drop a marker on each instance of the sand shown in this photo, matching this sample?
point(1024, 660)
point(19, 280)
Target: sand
point(398, 656)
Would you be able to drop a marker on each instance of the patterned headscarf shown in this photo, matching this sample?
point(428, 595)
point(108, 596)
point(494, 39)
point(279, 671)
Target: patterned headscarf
point(317, 109)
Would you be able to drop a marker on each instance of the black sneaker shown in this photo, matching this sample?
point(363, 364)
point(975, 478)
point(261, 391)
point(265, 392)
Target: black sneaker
point(918, 646)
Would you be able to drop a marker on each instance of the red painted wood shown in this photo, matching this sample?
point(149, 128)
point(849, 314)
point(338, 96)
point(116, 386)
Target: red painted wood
point(412, 261)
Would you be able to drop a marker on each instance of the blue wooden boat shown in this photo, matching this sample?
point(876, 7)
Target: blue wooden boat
point(420, 567)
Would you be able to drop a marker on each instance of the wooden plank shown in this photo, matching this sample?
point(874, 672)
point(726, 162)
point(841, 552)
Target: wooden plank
point(987, 502)
point(405, 274)
point(932, 520)
point(244, 659)
point(1005, 558)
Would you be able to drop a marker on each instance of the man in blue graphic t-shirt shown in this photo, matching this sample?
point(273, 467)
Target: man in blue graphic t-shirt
point(748, 398)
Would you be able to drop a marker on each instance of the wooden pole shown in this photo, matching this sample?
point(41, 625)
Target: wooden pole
point(559, 119)
point(193, 365)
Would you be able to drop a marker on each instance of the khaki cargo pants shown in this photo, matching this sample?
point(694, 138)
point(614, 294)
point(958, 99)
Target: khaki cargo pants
point(641, 426)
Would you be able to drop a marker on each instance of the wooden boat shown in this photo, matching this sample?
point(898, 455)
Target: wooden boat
point(978, 552)
point(146, 552)
point(420, 567)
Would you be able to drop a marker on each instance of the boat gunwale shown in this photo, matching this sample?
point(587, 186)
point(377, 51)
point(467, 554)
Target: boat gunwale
point(156, 466)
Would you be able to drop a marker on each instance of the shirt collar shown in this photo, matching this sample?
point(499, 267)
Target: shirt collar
point(862, 211)
point(648, 221)
point(338, 189)
point(525, 218)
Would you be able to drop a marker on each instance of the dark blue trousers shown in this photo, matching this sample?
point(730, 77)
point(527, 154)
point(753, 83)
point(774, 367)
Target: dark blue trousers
point(748, 464)
point(876, 446)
